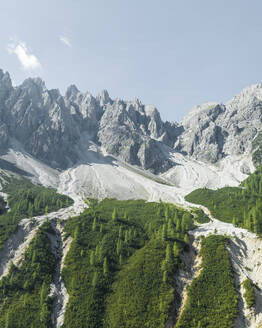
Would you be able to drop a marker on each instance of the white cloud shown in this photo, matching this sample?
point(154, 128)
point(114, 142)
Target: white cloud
point(65, 41)
point(28, 60)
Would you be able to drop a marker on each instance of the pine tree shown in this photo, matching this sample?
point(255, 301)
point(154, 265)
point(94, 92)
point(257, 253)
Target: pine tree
point(168, 254)
point(164, 233)
point(178, 226)
point(120, 232)
point(120, 259)
point(164, 276)
point(76, 233)
point(166, 213)
point(114, 215)
point(94, 225)
point(92, 258)
point(105, 267)
point(119, 246)
point(43, 293)
point(170, 228)
point(30, 210)
point(7, 320)
point(94, 280)
point(126, 237)
point(186, 239)
point(176, 250)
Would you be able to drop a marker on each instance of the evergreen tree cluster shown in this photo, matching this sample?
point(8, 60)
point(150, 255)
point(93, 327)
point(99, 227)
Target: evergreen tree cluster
point(241, 205)
point(212, 299)
point(121, 266)
point(249, 293)
point(27, 200)
point(24, 300)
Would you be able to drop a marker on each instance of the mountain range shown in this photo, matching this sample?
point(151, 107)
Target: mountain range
point(50, 126)
point(116, 161)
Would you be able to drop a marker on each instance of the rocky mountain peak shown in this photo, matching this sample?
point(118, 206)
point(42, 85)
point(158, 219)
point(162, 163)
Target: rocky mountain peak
point(5, 86)
point(5, 78)
point(71, 92)
point(103, 98)
point(34, 82)
point(50, 126)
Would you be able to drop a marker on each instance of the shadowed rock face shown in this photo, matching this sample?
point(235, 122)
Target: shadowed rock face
point(50, 125)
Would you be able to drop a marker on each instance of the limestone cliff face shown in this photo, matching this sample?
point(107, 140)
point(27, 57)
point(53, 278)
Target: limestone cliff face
point(214, 130)
point(49, 125)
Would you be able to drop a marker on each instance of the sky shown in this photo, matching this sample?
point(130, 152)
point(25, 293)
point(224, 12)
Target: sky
point(171, 53)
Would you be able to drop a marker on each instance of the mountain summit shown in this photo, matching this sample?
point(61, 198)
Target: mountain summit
point(51, 127)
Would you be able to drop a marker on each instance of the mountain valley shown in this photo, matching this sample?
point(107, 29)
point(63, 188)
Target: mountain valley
point(111, 217)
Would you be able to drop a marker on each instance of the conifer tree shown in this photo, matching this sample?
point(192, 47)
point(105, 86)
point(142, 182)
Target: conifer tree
point(168, 254)
point(164, 233)
point(170, 228)
point(94, 225)
point(94, 280)
point(92, 258)
point(114, 215)
point(105, 267)
point(178, 226)
point(176, 250)
point(120, 232)
point(186, 239)
point(164, 276)
point(121, 259)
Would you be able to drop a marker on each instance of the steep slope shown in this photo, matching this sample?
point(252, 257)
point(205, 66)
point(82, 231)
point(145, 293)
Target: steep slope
point(50, 127)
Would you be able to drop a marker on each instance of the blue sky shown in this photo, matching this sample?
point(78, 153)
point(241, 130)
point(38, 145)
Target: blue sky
point(170, 53)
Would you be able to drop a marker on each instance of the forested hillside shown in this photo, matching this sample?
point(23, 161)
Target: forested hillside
point(24, 300)
point(240, 205)
point(26, 200)
point(212, 299)
point(121, 266)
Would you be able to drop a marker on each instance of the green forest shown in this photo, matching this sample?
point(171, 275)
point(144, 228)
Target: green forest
point(241, 205)
point(121, 266)
point(24, 300)
point(212, 299)
point(27, 200)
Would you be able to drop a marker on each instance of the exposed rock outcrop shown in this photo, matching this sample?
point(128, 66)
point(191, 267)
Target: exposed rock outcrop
point(50, 126)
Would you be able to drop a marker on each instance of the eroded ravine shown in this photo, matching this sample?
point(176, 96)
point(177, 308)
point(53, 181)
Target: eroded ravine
point(245, 250)
point(57, 289)
point(15, 247)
